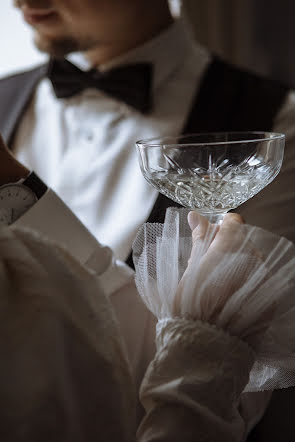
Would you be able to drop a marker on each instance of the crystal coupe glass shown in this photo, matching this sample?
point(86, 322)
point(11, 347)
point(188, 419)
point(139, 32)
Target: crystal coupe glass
point(212, 173)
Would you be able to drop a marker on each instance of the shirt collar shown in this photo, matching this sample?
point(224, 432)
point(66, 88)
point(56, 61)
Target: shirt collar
point(166, 52)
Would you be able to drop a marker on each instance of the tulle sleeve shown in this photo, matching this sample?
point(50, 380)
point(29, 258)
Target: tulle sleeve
point(192, 388)
point(225, 309)
point(245, 288)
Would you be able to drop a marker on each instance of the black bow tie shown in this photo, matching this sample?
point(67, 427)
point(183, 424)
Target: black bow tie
point(130, 83)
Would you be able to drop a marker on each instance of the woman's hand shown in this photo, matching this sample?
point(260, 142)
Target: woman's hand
point(211, 245)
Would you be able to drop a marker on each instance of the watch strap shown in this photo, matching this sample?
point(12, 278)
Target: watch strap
point(34, 183)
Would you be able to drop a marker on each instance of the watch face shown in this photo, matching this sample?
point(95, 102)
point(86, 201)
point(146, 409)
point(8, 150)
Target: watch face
point(15, 200)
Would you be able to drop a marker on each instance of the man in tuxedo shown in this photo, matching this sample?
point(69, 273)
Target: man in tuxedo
point(120, 71)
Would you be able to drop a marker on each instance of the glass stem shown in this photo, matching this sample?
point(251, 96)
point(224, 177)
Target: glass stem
point(216, 218)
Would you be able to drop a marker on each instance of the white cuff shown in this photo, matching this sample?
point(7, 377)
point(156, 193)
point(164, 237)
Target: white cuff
point(53, 219)
point(113, 274)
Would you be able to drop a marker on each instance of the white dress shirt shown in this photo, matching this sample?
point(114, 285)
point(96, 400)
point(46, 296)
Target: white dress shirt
point(83, 148)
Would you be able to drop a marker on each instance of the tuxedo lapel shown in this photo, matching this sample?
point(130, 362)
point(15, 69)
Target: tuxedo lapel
point(15, 94)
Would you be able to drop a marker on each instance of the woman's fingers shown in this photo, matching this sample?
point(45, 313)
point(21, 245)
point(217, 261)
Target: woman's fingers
point(230, 236)
point(193, 220)
point(203, 233)
point(231, 218)
point(223, 237)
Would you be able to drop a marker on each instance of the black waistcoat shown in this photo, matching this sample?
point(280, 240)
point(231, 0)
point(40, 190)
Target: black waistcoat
point(229, 99)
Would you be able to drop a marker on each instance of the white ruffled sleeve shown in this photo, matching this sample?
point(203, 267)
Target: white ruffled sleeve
point(192, 388)
point(228, 302)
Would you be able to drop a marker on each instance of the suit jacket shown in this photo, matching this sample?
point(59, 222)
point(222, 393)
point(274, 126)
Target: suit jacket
point(229, 99)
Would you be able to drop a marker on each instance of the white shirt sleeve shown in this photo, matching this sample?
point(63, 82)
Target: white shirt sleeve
point(53, 219)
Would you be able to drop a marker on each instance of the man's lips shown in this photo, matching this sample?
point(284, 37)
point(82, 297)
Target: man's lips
point(34, 16)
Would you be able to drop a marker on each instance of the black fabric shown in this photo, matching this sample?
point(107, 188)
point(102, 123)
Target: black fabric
point(232, 99)
point(277, 424)
point(15, 94)
point(129, 83)
point(35, 184)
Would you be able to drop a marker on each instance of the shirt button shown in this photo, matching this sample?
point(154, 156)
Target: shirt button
point(89, 136)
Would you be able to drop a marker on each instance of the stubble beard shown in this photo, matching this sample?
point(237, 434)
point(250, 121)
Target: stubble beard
point(60, 47)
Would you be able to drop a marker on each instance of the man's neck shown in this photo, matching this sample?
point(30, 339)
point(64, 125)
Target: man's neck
point(102, 55)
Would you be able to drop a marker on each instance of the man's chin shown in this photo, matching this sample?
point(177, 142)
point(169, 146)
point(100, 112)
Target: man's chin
point(55, 47)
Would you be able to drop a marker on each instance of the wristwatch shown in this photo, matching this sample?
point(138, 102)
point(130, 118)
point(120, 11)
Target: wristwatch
point(17, 198)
